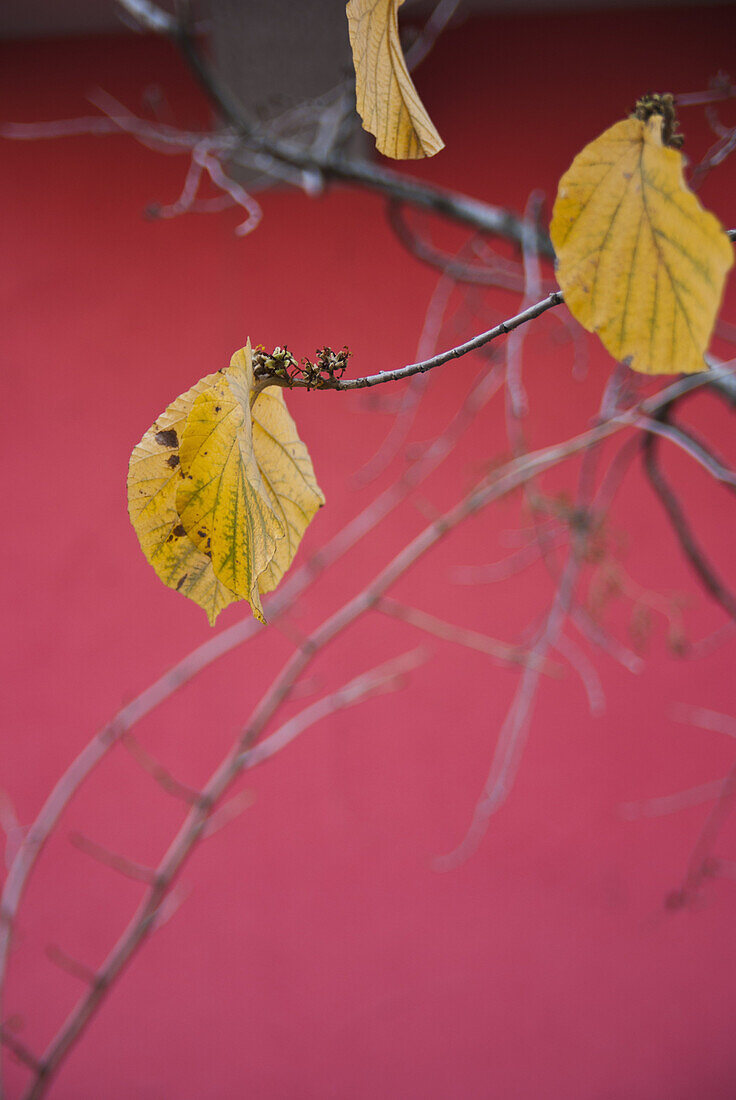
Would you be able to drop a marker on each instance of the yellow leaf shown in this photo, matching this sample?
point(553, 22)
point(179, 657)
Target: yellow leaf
point(153, 479)
point(639, 260)
point(221, 490)
point(247, 489)
point(386, 98)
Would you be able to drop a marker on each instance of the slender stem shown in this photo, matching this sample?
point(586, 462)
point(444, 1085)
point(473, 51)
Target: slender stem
point(399, 373)
point(682, 528)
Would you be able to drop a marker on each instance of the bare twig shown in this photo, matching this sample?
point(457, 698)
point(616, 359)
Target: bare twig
point(586, 670)
point(457, 207)
point(432, 29)
point(471, 639)
point(115, 862)
point(228, 812)
point(150, 16)
point(71, 966)
point(157, 771)
point(720, 88)
point(495, 571)
point(706, 719)
point(536, 310)
point(686, 441)
point(509, 477)
point(386, 677)
point(700, 865)
point(515, 728)
point(672, 803)
point(459, 269)
point(409, 403)
point(681, 526)
point(21, 1052)
point(191, 665)
point(14, 831)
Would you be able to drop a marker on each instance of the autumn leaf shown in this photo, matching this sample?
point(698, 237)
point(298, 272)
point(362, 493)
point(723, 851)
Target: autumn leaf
point(221, 490)
point(386, 98)
point(639, 260)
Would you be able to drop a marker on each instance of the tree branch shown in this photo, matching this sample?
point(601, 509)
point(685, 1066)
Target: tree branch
point(707, 575)
point(457, 207)
point(496, 485)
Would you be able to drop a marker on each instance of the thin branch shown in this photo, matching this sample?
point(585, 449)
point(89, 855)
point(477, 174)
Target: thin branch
point(115, 862)
point(705, 572)
point(14, 831)
point(470, 639)
point(587, 672)
point(432, 29)
point(150, 16)
point(720, 88)
point(702, 455)
point(700, 864)
point(228, 812)
point(479, 274)
point(536, 310)
point(384, 678)
point(406, 413)
point(501, 570)
point(21, 1052)
point(706, 719)
point(498, 484)
point(72, 966)
point(204, 655)
point(157, 771)
point(515, 728)
point(459, 208)
point(672, 803)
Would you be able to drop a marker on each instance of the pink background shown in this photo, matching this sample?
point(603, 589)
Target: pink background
point(318, 953)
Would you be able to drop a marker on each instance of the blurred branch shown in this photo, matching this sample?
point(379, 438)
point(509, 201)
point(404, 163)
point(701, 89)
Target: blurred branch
point(685, 440)
point(701, 864)
point(384, 678)
point(115, 862)
point(430, 32)
point(69, 965)
point(160, 881)
point(460, 270)
point(212, 650)
point(678, 519)
point(470, 639)
point(21, 1052)
point(164, 778)
point(457, 207)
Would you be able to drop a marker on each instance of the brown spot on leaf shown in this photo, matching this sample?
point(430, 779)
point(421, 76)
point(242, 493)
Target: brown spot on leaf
point(178, 531)
point(168, 438)
point(172, 461)
point(181, 581)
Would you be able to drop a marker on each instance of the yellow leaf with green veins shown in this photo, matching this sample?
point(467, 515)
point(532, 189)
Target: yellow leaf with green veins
point(639, 260)
point(153, 479)
point(221, 490)
point(385, 95)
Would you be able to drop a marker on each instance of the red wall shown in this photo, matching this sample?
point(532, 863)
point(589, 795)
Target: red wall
point(318, 953)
